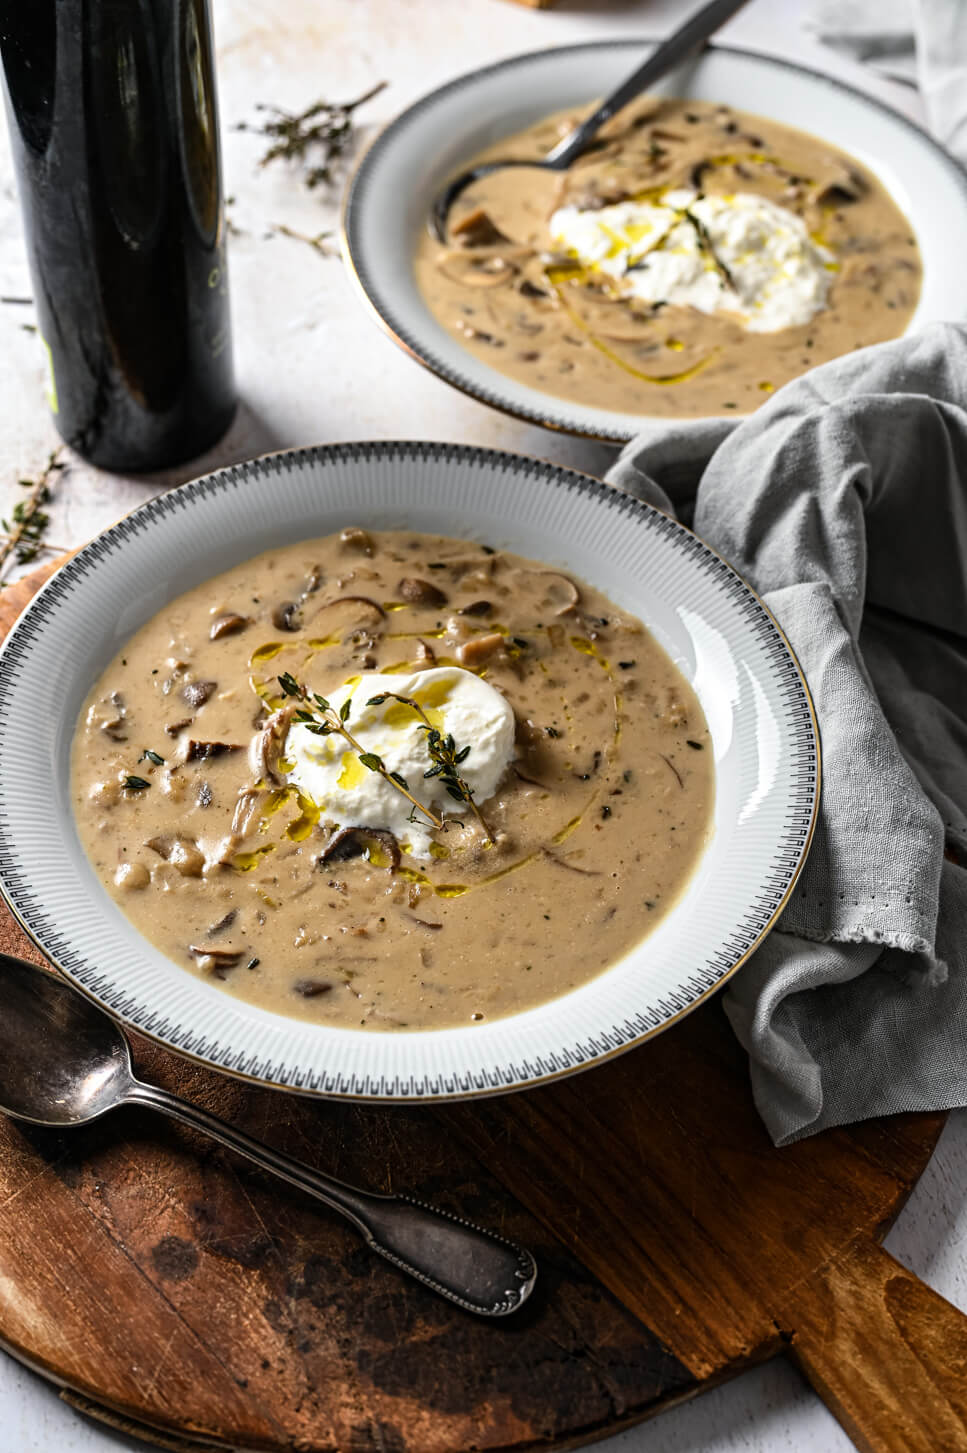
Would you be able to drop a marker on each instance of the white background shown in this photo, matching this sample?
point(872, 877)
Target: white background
point(313, 368)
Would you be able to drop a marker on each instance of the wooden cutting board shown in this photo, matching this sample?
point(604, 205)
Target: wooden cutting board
point(175, 1292)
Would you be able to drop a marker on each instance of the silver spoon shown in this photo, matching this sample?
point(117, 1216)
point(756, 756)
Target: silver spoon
point(688, 38)
point(63, 1061)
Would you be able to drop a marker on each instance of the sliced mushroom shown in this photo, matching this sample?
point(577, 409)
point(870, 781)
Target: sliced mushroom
point(479, 650)
point(206, 751)
point(421, 593)
point(288, 616)
point(846, 186)
point(476, 608)
point(424, 653)
point(228, 624)
point(245, 807)
point(478, 229)
point(355, 842)
point(347, 614)
point(223, 923)
point(181, 852)
point(174, 727)
point(311, 988)
point(215, 960)
point(196, 693)
point(560, 591)
point(266, 747)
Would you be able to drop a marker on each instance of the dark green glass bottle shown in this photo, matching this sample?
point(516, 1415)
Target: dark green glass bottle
point(113, 125)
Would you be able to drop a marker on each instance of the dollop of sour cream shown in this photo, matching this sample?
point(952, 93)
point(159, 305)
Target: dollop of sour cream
point(780, 275)
point(457, 702)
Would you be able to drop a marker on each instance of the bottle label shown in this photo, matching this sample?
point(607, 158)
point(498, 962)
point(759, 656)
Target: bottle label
point(51, 379)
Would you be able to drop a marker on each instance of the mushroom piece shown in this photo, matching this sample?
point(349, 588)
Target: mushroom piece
point(846, 186)
point(346, 614)
point(205, 751)
point(353, 538)
point(475, 608)
point(560, 592)
point(421, 593)
point(311, 988)
point(228, 624)
point(424, 653)
point(215, 960)
point(288, 616)
point(196, 693)
point(223, 923)
point(109, 714)
point(183, 853)
point(479, 650)
point(356, 842)
point(478, 229)
point(267, 746)
point(172, 728)
point(245, 806)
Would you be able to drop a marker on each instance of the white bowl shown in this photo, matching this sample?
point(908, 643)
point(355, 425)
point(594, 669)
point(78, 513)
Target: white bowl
point(390, 196)
point(757, 707)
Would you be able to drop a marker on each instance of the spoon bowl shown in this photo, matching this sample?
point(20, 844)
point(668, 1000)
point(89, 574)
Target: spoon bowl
point(682, 43)
point(62, 1060)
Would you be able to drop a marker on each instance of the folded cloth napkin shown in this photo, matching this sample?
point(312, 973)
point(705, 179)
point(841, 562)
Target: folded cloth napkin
point(843, 501)
point(924, 41)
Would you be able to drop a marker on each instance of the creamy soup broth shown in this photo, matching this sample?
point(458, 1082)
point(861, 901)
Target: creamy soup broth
point(599, 818)
point(513, 297)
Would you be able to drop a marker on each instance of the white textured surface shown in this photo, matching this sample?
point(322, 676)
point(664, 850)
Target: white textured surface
point(310, 372)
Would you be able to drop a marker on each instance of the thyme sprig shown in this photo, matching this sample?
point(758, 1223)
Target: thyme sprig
point(326, 130)
point(444, 755)
point(23, 534)
point(706, 244)
point(321, 718)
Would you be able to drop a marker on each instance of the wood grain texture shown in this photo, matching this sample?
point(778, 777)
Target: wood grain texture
point(183, 1295)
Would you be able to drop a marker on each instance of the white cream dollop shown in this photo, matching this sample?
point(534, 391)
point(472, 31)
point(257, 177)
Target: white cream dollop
point(781, 276)
point(328, 770)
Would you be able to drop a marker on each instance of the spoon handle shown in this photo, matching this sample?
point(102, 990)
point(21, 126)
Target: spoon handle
point(479, 1271)
point(688, 38)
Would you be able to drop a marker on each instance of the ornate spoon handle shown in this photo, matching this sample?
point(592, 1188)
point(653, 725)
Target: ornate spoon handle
point(477, 1270)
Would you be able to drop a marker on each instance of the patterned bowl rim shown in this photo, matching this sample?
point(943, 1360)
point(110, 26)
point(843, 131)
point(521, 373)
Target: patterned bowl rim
point(789, 854)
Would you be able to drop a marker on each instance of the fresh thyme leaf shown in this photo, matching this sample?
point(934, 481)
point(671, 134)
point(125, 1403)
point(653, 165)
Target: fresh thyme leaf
point(152, 757)
point(370, 760)
point(321, 702)
point(400, 780)
point(135, 784)
point(444, 759)
point(290, 685)
point(376, 700)
point(345, 709)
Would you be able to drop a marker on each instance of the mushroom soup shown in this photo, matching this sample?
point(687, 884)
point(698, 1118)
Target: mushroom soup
point(695, 259)
point(390, 781)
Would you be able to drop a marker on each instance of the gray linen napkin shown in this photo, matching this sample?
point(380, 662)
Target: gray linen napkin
point(843, 501)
